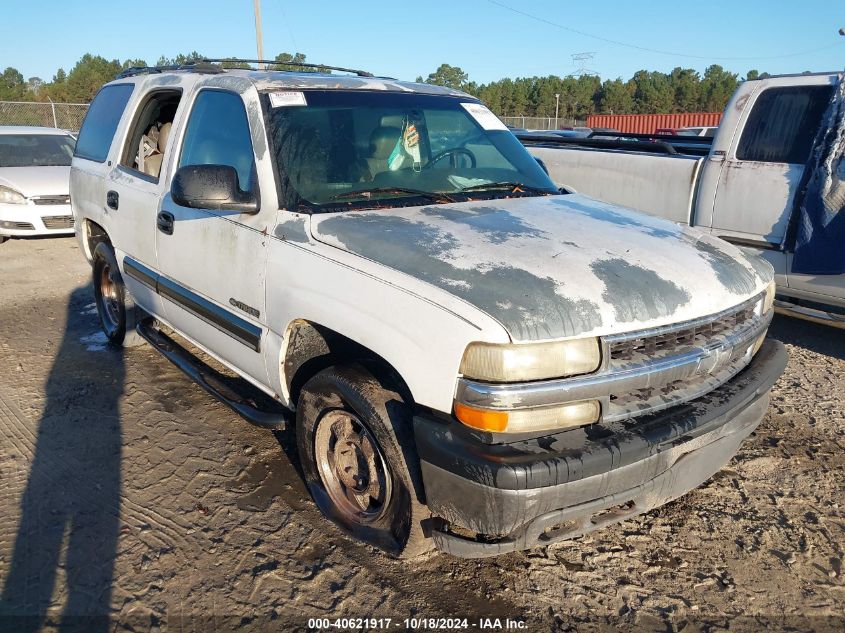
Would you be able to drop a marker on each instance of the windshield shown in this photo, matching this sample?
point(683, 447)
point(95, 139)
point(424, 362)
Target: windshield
point(35, 150)
point(357, 149)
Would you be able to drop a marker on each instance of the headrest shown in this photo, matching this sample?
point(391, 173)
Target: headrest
point(383, 140)
point(163, 135)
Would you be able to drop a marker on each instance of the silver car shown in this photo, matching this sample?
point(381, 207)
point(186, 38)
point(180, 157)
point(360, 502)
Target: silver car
point(34, 177)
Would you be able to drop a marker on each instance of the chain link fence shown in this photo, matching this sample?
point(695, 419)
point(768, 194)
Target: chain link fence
point(541, 122)
point(67, 116)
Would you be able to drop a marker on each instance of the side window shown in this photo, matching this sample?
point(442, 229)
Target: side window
point(101, 121)
point(783, 124)
point(147, 139)
point(218, 134)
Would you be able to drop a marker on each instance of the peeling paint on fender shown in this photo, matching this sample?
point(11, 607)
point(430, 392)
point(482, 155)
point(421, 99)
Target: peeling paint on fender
point(292, 230)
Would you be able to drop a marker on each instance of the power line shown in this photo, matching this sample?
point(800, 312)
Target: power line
point(288, 25)
point(647, 49)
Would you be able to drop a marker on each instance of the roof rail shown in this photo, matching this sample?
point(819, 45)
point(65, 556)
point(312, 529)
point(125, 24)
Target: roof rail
point(210, 66)
point(275, 62)
point(197, 66)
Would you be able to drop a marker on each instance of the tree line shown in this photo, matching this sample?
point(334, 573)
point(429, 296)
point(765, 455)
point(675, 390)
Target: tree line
point(81, 83)
point(647, 92)
point(682, 90)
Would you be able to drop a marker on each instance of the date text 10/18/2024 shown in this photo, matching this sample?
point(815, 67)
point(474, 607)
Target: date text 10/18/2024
point(482, 624)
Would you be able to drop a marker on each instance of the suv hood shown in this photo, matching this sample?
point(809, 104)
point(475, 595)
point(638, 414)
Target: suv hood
point(557, 266)
point(37, 181)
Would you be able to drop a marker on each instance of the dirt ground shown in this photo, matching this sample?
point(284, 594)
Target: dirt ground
point(128, 493)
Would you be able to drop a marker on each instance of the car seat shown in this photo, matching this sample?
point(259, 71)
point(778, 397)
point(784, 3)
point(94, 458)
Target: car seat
point(382, 141)
point(152, 164)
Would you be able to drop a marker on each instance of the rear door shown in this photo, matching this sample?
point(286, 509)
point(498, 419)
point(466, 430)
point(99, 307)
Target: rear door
point(212, 263)
point(765, 160)
point(133, 194)
point(91, 163)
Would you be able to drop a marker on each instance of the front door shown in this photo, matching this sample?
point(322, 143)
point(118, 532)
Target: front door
point(212, 263)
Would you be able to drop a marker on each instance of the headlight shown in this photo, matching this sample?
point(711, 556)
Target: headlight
point(769, 299)
point(530, 361)
point(10, 196)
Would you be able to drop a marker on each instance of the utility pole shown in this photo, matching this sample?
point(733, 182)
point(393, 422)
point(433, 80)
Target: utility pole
point(259, 38)
point(557, 106)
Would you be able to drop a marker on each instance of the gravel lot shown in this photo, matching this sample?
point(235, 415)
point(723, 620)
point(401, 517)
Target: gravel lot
point(126, 491)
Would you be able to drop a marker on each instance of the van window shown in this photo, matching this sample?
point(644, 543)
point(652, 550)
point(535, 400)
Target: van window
point(783, 124)
point(101, 121)
point(218, 134)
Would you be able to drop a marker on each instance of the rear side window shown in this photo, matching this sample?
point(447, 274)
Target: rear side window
point(218, 134)
point(101, 121)
point(783, 124)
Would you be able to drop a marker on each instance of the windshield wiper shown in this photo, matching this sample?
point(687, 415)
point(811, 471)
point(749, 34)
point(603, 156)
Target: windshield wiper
point(514, 187)
point(368, 194)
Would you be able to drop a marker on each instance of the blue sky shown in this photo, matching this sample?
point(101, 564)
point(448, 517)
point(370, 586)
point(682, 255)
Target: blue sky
point(403, 39)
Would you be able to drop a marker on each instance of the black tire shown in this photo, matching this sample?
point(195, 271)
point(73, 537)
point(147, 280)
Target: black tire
point(3, 238)
point(114, 303)
point(351, 400)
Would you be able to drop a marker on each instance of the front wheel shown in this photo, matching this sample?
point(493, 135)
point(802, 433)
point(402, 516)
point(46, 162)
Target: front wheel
point(3, 238)
point(355, 441)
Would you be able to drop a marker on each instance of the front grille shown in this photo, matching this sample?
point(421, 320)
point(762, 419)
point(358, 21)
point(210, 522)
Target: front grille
point(653, 399)
point(650, 346)
point(729, 337)
point(58, 222)
point(51, 200)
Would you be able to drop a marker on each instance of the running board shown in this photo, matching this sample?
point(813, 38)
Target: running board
point(810, 314)
point(213, 381)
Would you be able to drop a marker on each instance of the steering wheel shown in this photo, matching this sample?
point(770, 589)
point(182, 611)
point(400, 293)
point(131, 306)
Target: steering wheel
point(454, 154)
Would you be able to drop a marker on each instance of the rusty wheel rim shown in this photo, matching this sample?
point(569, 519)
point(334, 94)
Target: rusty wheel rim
point(351, 467)
point(110, 299)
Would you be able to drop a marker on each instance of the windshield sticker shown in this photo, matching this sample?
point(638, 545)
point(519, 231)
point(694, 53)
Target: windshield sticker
point(484, 117)
point(286, 99)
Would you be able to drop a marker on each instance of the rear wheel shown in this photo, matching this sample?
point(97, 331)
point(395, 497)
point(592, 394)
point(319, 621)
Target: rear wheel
point(114, 304)
point(3, 238)
point(355, 442)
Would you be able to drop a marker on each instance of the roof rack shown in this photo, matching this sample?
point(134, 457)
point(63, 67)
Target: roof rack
point(275, 62)
point(210, 66)
point(197, 66)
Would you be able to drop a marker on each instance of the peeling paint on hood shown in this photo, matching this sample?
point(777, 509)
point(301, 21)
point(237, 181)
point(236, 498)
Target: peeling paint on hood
point(554, 267)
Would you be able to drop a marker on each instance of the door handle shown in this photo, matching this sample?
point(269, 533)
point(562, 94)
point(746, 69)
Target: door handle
point(112, 200)
point(164, 222)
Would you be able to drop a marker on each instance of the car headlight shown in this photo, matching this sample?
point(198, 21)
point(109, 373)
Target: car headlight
point(10, 196)
point(520, 362)
point(769, 299)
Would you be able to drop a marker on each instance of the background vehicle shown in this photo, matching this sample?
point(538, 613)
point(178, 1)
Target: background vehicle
point(34, 176)
point(708, 131)
point(462, 345)
point(744, 187)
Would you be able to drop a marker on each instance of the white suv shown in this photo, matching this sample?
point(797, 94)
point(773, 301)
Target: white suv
point(471, 358)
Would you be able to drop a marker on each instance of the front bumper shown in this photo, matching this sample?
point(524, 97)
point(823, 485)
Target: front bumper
point(495, 498)
point(30, 219)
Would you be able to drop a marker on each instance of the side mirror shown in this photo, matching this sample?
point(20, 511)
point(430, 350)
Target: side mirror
point(211, 187)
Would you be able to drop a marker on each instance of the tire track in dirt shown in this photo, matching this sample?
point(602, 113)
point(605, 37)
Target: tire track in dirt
point(13, 424)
